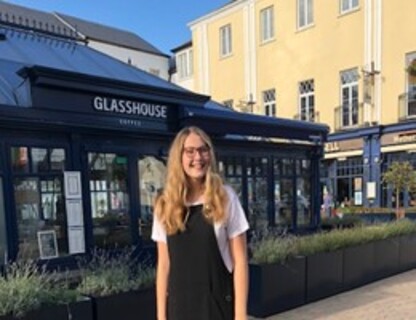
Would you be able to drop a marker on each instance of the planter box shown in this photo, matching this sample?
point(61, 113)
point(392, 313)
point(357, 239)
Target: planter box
point(358, 265)
point(377, 217)
point(386, 258)
point(407, 252)
point(81, 310)
point(276, 287)
point(324, 275)
point(132, 305)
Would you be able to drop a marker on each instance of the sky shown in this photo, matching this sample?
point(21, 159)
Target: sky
point(163, 23)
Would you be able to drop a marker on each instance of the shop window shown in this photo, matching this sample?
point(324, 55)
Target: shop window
point(349, 182)
point(108, 181)
point(3, 228)
point(39, 205)
point(283, 191)
point(231, 168)
point(257, 192)
point(303, 192)
point(152, 174)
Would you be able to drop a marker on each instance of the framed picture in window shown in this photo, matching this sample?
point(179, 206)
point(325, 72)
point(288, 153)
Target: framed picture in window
point(72, 184)
point(48, 246)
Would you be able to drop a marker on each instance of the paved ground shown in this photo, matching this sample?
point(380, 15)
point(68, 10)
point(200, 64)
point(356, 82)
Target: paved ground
point(393, 298)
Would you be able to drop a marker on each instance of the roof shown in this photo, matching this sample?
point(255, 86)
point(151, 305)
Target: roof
point(67, 26)
point(96, 31)
point(185, 45)
point(33, 19)
point(23, 48)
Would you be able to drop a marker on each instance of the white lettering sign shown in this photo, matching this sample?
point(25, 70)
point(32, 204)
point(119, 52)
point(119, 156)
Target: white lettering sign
point(143, 109)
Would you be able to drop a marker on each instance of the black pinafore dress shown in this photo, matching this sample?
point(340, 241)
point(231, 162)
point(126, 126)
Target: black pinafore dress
point(200, 286)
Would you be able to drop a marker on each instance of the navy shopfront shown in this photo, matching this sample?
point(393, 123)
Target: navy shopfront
point(83, 145)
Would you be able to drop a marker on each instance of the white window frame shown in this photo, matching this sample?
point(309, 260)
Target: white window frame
point(305, 13)
point(184, 64)
point(350, 104)
point(267, 24)
point(307, 96)
point(348, 5)
point(269, 102)
point(225, 41)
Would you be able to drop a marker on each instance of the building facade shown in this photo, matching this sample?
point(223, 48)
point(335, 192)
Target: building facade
point(83, 146)
point(346, 63)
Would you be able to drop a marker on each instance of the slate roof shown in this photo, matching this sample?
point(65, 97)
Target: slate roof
point(96, 31)
point(33, 19)
point(68, 26)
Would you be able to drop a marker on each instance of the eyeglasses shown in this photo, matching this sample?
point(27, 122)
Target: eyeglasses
point(191, 152)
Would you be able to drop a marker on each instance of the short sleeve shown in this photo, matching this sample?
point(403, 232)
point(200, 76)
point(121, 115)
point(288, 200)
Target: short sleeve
point(158, 231)
point(237, 222)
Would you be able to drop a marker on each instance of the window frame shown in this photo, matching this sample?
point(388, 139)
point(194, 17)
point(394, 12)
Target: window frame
point(226, 48)
point(353, 104)
point(267, 24)
point(307, 113)
point(184, 64)
point(269, 106)
point(305, 12)
point(351, 6)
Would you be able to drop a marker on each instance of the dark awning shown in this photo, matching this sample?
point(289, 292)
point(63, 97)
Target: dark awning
point(222, 122)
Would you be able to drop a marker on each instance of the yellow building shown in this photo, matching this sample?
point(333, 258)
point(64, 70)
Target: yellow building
point(346, 63)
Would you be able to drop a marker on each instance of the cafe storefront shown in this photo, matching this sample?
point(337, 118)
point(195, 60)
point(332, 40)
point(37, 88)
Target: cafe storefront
point(83, 146)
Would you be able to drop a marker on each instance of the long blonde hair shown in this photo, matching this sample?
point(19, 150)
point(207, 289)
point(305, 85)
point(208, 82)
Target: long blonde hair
point(170, 206)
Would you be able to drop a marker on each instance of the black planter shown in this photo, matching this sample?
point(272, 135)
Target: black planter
point(358, 265)
point(407, 252)
point(81, 310)
point(276, 287)
point(132, 305)
point(324, 275)
point(386, 258)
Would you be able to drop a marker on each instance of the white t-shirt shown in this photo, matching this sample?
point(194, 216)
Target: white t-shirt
point(234, 225)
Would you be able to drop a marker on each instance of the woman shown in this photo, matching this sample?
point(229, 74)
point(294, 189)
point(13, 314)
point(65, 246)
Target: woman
point(199, 227)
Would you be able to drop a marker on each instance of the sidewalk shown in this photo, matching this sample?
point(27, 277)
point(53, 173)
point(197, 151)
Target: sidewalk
point(393, 298)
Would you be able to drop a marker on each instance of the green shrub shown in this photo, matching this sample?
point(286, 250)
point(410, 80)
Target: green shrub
point(25, 287)
point(107, 273)
point(271, 249)
point(279, 249)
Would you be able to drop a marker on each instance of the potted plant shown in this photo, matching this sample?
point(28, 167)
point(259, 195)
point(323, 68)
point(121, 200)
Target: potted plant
point(116, 282)
point(402, 177)
point(28, 291)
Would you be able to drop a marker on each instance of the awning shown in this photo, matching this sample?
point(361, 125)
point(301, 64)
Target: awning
point(222, 122)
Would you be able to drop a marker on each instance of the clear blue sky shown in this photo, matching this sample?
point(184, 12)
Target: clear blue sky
point(163, 23)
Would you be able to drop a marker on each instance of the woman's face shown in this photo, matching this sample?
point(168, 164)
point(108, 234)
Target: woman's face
point(196, 157)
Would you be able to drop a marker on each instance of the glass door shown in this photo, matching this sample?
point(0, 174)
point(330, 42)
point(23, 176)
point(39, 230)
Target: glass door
point(152, 174)
point(109, 196)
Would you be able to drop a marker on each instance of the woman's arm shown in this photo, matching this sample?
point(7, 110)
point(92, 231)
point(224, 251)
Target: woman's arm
point(162, 274)
point(238, 247)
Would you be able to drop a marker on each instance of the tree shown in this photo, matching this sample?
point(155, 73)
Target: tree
point(402, 177)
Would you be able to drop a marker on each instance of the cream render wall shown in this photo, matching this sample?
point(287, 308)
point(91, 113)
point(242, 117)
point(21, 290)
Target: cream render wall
point(373, 37)
point(227, 73)
point(399, 31)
